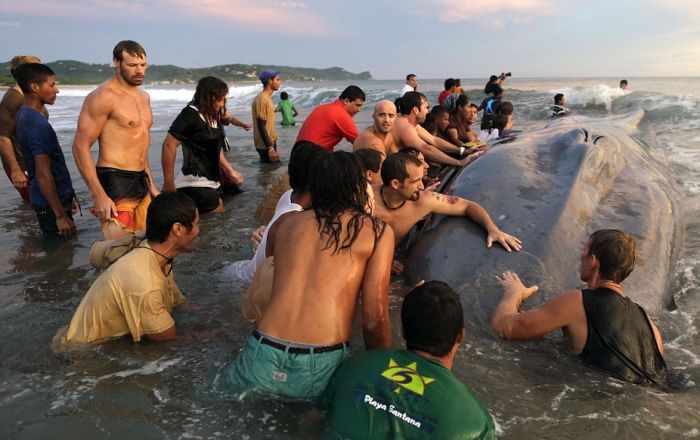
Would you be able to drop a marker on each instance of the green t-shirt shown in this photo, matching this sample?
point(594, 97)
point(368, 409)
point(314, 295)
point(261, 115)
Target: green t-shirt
point(397, 394)
point(287, 109)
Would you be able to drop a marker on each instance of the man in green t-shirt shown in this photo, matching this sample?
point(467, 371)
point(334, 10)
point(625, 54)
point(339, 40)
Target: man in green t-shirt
point(288, 110)
point(410, 393)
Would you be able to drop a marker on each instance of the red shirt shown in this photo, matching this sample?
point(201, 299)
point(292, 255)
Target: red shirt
point(443, 96)
point(327, 124)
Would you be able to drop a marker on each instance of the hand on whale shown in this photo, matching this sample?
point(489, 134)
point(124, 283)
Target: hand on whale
point(506, 240)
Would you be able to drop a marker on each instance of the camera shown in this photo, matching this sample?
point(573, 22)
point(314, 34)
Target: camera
point(508, 74)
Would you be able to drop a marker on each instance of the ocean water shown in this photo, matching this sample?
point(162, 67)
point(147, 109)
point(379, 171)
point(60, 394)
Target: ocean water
point(124, 390)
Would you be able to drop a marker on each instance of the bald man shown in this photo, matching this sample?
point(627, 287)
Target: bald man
point(378, 135)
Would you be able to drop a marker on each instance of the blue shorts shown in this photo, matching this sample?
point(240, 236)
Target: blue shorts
point(284, 371)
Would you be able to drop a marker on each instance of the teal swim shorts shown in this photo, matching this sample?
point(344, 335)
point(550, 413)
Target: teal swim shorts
point(285, 370)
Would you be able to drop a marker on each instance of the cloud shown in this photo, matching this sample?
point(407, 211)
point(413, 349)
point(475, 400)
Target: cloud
point(279, 17)
point(455, 11)
point(10, 24)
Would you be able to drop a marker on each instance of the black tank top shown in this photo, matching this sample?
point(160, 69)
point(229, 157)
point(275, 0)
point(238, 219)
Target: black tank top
point(620, 338)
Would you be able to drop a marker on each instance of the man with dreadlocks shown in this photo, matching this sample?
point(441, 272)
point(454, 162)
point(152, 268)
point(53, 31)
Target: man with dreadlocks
point(323, 258)
point(199, 128)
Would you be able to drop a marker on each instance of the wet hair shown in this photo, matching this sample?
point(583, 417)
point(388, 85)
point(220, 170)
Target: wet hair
point(395, 166)
point(410, 75)
point(131, 47)
point(449, 83)
point(410, 100)
point(284, 96)
point(505, 108)
point(623, 82)
point(338, 185)
point(615, 251)
point(32, 73)
point(352, 93)
point(499, 122)
point(301, 161)
point(411, 152)
point(438, 111)
point(21, 60)
point(461, 101)
point(558, 97)
point(165, 210)
point(209, 90)
point(370, 159)
point(497, 91)
point(432, 318)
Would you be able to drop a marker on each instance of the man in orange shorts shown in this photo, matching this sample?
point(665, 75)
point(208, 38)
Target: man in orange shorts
point(118, 115)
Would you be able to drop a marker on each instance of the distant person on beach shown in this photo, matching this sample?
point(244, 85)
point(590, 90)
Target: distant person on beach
point(260, 269)
point(407, 132)
point(378, 135)
point(50, 189)
point(10, 149)
point(371, 161)
point(410, 393)
point(411, 84)
point(450, 85)
point(401, 202)
point(623, 85)
point(286, 107)
point(118, 115)
point(136, 294)
point(450, 101)
point(495, 83)
point(329, 123)
point(558, 108)
point(605, 327)
point(326, 258)
point(200, 129)
point(264, 132)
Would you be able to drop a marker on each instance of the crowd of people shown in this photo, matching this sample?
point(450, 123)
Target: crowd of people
point(334, 224)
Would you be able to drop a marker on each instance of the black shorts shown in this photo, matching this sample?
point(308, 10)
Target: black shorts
point(47, 219)
point(122, 184)
point(206, 199)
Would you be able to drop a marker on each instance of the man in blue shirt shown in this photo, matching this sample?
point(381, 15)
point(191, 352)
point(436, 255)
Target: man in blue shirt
point(50, 189)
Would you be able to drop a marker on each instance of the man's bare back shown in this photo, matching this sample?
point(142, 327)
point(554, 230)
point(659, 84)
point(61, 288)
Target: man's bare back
point(315, 291)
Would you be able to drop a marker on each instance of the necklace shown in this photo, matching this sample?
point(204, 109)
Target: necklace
point(381, 194)
point(168, 260)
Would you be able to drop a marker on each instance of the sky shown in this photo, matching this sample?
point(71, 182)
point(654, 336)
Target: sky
point(390, 38)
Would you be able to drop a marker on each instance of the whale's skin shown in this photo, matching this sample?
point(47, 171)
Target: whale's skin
point(552, 188)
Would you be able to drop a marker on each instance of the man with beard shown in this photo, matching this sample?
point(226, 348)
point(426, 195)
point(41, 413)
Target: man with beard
point(118, 115)
point(378, 135)
point(407, 132)
point(401, 202)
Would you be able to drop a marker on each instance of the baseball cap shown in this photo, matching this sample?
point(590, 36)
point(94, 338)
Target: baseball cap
point(267, 74)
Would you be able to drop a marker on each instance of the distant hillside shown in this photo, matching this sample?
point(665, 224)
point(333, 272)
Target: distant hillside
point(76, 72)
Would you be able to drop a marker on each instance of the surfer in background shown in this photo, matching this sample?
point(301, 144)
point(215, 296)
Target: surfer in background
point(604, 326)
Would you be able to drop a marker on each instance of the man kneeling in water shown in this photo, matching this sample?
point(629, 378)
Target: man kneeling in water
point(607, 328)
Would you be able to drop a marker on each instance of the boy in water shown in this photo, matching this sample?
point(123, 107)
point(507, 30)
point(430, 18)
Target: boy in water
point(50, 189)
point(288, 110)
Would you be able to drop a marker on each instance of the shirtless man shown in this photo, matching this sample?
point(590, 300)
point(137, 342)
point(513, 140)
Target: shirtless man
point(378, 135)
point(401, 202)
point(325, 259)
point(118, 115)
point(407, 132)
point(605, 327)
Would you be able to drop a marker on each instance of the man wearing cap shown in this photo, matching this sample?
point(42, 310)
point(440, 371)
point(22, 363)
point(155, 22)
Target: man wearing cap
point(10, 150)
point(136, 294)
point(264, 133)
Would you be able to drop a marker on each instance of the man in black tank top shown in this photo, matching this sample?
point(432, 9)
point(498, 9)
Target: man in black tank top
point(604, 326)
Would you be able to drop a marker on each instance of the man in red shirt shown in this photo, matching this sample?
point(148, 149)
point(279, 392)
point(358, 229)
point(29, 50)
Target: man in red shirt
point(450, 85)
point(329, 123)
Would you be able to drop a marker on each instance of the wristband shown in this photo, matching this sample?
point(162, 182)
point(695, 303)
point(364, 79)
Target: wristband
point(461, 151)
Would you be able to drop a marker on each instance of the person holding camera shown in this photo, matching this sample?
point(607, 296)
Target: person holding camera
point(495, 83)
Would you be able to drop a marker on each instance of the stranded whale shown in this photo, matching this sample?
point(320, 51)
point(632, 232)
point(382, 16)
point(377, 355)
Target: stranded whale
point(552, 188)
